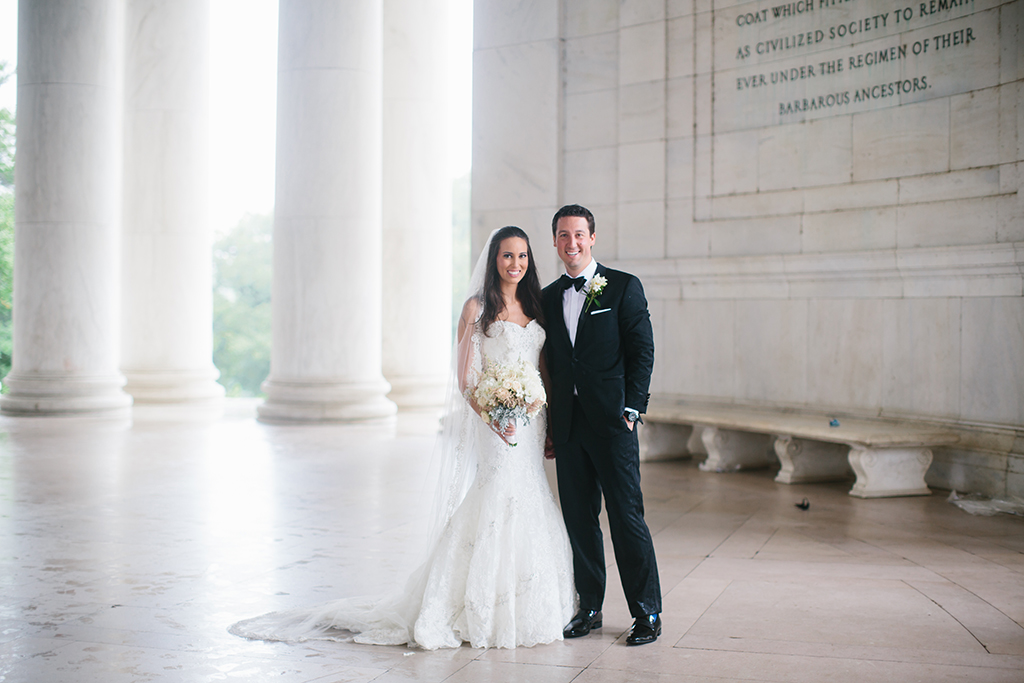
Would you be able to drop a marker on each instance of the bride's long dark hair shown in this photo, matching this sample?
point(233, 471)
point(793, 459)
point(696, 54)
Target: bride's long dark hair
point(528, 291)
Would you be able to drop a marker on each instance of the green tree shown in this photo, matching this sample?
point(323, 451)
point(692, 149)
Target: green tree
point(6, 228)
point(6, 278)
point(241, 305)
point(6, 137)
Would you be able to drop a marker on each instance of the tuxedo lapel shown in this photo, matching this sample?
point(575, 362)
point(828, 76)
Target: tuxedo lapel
point(557, 310)
point(584, 313)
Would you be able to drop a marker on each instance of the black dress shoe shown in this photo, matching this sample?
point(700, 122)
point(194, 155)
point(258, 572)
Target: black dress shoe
point(582, 623)
point(645, 630)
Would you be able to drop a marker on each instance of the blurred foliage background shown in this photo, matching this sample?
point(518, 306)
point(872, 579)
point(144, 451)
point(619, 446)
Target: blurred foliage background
point(6, 227)
point(241, 305)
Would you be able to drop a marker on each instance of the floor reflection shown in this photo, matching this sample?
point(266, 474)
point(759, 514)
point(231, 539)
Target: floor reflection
point(127, 549)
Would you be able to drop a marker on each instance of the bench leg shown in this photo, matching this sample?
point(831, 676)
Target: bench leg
point(887, 472)
point(804, 460)
point(662, 441)
point(730, 450)
point(695, 444)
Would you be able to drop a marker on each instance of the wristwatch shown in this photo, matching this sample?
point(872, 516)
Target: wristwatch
point(631, 415)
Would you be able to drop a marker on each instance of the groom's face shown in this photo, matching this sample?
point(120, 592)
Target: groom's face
point(573, 242)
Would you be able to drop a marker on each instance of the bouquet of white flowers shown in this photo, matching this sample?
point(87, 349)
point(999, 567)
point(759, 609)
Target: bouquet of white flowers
point(508, 392)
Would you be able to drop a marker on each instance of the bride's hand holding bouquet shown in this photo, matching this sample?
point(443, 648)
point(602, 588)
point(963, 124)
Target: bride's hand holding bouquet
point(509, 393)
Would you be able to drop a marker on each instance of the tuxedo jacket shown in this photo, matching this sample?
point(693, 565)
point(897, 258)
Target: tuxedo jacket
point(611, 363)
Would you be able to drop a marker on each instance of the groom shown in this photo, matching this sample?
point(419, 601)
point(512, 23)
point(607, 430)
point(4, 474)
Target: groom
point(600, 354)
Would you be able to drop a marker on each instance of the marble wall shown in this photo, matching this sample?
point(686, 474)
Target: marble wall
point(822, 198)
point(516, 131)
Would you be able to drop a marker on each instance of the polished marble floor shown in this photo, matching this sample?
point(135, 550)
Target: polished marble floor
point(127, 550)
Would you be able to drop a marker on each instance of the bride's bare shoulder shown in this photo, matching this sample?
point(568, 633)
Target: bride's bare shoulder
point(471, 310)
point(470, 314)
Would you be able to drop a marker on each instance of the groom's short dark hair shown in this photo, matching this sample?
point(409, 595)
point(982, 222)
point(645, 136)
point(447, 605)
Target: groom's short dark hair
point(573, 210)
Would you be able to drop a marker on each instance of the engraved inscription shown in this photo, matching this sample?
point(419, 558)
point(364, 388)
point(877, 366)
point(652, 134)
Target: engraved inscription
point(783, 63)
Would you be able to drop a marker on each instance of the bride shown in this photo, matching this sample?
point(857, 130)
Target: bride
point(498, 571)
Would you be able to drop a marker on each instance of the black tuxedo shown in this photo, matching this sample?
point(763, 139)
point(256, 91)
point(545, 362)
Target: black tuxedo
point(609, 368)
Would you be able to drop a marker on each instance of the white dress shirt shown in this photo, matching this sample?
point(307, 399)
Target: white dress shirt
point(572, 301)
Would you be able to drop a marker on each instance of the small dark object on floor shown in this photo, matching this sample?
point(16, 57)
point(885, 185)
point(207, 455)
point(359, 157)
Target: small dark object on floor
point(833, 422)
point(804, 504)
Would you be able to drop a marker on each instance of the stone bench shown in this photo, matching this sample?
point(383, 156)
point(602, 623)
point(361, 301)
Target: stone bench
point(889, 458)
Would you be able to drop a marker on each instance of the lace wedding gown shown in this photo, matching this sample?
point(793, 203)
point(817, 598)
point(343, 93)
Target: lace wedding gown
point(500, 572)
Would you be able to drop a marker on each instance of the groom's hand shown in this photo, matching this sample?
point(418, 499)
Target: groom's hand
point(549, 448)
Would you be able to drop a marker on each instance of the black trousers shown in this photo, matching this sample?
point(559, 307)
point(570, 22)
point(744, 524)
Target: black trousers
point(589, 464)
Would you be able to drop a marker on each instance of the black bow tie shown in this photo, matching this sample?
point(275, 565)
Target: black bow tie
point(568, 282)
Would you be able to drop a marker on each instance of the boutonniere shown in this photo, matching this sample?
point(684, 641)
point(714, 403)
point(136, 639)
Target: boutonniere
point(594, 289)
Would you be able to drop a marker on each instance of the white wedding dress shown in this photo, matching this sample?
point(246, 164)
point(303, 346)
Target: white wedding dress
point(499, 573)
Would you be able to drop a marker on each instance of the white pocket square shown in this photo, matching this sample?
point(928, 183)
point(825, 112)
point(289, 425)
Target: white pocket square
point(602, 310)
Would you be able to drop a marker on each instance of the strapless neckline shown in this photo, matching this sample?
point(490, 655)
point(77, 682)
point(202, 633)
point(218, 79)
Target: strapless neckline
point(522, 327)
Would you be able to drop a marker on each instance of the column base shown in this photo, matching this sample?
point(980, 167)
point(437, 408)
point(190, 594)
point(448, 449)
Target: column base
point(320, 401)
point(193, 387)
point(63, 395)
point(418, 392)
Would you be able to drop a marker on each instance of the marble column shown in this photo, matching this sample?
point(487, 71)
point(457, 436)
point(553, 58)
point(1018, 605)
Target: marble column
point(417, 204)
point(167, 309)
point(67, 211)
point(326, 357)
